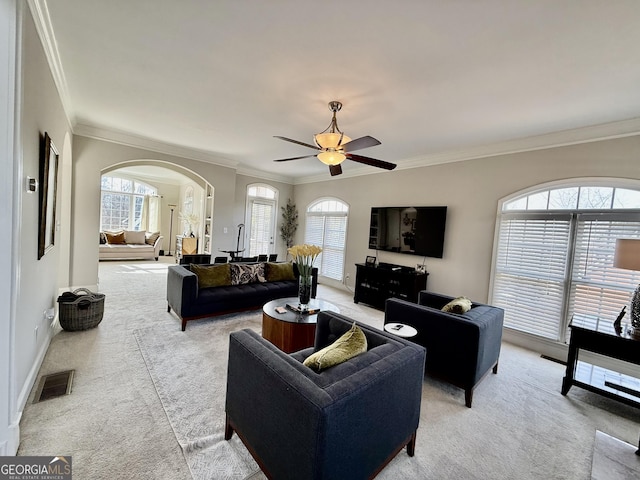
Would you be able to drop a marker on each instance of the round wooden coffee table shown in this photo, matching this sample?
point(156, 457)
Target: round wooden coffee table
point(291, 331)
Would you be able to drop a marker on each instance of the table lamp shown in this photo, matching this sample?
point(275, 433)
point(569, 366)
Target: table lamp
point(627, 256)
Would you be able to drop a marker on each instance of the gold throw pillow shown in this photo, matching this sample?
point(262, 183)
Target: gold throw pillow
point(212, 275)
point(349, 345)
point(458, 305)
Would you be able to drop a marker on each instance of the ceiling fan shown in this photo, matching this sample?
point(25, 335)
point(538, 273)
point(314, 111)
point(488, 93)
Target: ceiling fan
point(335, 146)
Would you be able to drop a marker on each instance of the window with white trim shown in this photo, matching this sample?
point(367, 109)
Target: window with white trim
point(261, 219)
point(554, 258)
point(121, 202)
point(326, 226)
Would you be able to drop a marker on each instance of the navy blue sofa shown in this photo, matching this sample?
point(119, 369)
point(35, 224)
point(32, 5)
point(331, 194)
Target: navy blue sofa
point(461, 348)
point(190, 302)
point(346, 422)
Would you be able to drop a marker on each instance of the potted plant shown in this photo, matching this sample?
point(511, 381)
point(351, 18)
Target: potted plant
point(289, 223)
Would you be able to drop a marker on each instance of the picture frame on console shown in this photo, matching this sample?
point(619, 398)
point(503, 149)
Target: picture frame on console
point(370, 261)
point(47, 199)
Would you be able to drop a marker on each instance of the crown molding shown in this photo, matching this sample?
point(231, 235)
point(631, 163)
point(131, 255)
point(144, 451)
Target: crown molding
point(42, 20)
point(136, 141)
point(261, 174)
point(563, 138)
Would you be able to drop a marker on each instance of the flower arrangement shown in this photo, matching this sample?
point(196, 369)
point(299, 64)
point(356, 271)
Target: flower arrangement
point(304, 256)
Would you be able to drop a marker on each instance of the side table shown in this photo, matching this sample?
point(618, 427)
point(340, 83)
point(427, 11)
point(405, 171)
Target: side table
point(401, 330)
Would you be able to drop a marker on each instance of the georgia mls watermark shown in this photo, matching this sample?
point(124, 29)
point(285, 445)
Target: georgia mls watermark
point(35, 468)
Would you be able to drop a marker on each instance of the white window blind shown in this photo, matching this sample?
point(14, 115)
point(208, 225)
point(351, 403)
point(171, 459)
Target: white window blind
point(260, 219)
point(530, 272)
point(551, 267)
point(261, 233)
point(328, 229)
point(598, 289)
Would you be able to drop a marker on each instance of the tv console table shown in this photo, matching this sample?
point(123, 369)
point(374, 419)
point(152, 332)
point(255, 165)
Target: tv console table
point(374, 284)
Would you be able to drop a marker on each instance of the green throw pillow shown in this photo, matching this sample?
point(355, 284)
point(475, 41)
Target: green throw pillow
point(349, 345)
point(458, 305)
point(277, 272)
point(212, 275)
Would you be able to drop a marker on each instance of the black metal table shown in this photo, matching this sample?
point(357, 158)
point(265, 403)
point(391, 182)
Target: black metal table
point(604, 341)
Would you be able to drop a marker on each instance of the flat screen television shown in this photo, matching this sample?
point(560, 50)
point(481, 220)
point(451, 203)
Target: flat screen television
point(410, 230)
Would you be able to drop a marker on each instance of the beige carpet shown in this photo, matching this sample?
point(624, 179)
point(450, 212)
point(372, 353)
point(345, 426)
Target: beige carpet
point(614, 459)
point(148, 402)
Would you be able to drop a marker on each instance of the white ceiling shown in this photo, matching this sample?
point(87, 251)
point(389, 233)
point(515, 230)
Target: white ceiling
point(428, 78)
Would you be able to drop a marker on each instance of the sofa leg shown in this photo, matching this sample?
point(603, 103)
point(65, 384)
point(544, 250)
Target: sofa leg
point(495, 368)
point(468, 397)
point(184, 324)
point(168, 308)
point(228, 429)
point(411, 446)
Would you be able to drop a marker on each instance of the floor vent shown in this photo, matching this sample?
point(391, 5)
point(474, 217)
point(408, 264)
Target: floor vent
point(54, 385)
point(553, 359)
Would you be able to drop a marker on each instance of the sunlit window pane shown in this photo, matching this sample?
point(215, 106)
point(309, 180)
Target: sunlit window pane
point(563, 198)
point(595, 198)
point(538, 201)
point(624, 198)
point(518, 204)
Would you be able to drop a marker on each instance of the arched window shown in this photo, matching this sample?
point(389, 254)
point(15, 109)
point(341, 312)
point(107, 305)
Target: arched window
point(261, 219)
point(554, 257)
point(326, 226)
point(121, 203)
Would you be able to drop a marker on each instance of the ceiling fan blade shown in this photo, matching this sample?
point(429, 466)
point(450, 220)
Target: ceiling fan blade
point(335, 170)
point(293, 158)
point(362, 142)
point(371, 161)
point(315, 147)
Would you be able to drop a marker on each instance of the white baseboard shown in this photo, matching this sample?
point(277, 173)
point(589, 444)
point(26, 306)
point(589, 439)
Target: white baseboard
point(9, 447)
point(35, 368)
point(559, 352)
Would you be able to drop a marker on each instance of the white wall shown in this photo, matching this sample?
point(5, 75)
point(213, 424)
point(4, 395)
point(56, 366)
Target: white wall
point(37, 279)
point(28, 286)
point(471, 190)
point(9, 165)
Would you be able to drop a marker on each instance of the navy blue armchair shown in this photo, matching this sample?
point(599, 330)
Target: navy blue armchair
point(461, 348)
point(347, 421)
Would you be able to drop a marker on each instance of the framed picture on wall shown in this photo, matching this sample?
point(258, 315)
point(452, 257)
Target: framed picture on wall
point(48, 190)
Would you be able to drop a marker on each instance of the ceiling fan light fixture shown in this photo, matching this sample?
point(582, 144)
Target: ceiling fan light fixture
point(331, 139)
point(331, 157)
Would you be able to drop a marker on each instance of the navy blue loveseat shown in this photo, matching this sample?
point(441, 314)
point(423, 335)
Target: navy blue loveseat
point(189, 302)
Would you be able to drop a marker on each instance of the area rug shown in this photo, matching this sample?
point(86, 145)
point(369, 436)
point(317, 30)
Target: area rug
point(188, 370)
point(520, 425)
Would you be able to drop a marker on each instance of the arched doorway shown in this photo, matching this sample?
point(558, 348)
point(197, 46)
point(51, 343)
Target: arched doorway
point(176, 192)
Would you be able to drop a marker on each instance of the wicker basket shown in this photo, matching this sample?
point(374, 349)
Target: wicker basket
point(80, 310)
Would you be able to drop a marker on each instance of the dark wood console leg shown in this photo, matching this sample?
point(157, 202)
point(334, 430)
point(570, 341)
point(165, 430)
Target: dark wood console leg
point(184, 324)
point(228, 429)
point(411, 446)
point(468, 397)
point(572, 360)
